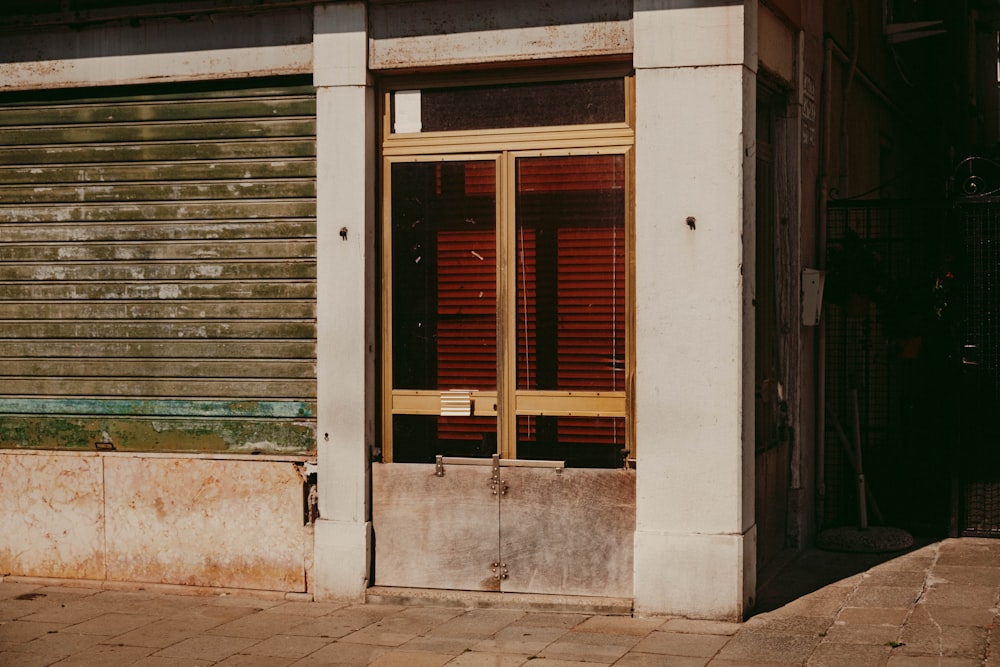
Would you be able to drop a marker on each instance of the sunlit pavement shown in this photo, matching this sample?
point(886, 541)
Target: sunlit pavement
point(935, 605)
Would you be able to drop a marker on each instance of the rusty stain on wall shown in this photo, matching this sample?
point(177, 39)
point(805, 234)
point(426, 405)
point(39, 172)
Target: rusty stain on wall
point(51, 516)
point(154, 518)
point(186, 521)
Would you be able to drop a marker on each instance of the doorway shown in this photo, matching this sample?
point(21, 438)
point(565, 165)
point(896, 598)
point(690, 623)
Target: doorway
point(506, 459)
point(507, 455)
point(507, 433)
point(771, 442)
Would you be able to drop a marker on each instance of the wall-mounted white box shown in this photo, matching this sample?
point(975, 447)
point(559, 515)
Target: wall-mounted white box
point(812, 296)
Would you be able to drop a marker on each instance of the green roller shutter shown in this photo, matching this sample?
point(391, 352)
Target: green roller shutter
point(157, 268)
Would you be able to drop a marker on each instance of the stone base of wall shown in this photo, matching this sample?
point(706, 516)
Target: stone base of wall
point(200, 521)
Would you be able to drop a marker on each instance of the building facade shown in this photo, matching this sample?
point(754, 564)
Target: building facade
point(314, 297)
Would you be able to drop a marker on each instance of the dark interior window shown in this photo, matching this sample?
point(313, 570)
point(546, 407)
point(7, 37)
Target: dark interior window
point(548, 104)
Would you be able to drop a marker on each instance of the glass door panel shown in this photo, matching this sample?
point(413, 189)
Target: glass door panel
point(444, 318)
point(582, 442)
point(443, 304)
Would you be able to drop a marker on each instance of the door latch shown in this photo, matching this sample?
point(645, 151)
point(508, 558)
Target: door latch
point(497, 485)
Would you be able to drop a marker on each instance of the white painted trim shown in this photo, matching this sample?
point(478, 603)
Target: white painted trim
point(341, 44)
point(436, 33)
point(157, 67)
point(158, 50)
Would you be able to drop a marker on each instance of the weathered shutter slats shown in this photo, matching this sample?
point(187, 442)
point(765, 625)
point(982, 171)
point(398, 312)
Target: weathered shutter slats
point(222, 230)
point(183, 131)
point(159, 249)
point(194, 270)
point(265, 106)
point(197, 171)
point(174, 191)
point(112, 329)
point(157, 387)
point(146, 310)
point(168, 368)
point(149, 152)
point(160, 349)
point(157, 210)
point(197, 290)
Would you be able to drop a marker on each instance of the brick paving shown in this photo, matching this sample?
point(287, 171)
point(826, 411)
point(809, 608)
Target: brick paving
point(934, 606)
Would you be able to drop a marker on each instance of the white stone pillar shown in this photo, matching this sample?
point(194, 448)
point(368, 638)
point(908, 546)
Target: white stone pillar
point(345, 144)
point(695, 539)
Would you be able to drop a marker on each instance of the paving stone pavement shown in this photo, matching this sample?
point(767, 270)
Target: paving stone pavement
point(936, 605)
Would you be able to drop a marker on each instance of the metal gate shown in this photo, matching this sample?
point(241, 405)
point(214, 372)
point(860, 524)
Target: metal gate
point(503, 525)
point(979, 376)
point(884, 360)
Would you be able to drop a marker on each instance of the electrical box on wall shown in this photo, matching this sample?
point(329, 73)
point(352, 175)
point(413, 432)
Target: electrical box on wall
point(812, 296)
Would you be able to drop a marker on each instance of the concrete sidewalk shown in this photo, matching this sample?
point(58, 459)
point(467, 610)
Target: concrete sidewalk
point(936, 605)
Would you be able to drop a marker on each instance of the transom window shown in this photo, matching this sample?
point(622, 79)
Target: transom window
point(506, 301)
point(509, 105)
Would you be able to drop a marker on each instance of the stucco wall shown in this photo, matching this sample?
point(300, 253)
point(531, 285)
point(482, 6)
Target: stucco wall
point(696, 67)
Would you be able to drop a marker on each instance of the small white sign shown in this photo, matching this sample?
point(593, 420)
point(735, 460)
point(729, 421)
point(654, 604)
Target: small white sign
point(406, 104)
point(812, 296)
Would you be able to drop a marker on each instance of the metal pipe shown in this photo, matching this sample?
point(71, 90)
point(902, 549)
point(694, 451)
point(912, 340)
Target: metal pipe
point(821, 218)
point(859, 462)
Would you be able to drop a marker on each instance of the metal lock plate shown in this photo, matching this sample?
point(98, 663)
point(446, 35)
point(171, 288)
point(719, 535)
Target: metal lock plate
point(497, 485)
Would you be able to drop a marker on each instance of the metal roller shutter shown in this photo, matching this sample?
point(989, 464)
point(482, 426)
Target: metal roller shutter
point(157, 268)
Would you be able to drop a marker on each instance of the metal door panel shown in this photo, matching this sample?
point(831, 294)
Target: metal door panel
point(567, 531)
point(435, 531)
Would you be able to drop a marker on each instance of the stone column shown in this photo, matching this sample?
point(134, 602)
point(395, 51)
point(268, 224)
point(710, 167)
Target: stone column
point(695, 542)
point(345, 144)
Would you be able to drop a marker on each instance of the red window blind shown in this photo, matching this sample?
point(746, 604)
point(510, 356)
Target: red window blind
point(570, 236)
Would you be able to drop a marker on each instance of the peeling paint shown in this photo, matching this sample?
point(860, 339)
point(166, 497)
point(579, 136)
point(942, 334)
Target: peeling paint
point(208, 271)
point(170, 521)
point(156, 408)
point(159, 435)
point(170, 291)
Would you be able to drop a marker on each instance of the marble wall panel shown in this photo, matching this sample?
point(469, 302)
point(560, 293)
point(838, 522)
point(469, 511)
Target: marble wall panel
point(51, 515)
point(205, 522)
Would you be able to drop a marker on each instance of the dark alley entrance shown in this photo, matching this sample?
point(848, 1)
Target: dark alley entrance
point(889, 369)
